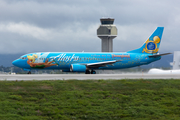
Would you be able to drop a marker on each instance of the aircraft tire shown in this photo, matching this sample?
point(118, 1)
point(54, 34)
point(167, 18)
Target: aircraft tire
point(87, 72)
point(93, 72)
point(29, 72)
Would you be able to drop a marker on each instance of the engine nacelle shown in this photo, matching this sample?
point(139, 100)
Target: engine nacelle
point(77, 68)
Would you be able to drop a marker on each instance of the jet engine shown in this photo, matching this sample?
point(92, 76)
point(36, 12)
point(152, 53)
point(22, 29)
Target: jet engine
point(78, 68)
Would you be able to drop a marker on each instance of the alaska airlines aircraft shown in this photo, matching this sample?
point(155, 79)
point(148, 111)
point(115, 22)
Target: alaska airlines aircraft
point(89, 62)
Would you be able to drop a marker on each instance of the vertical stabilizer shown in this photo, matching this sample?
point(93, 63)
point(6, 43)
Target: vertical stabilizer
point(151, 46)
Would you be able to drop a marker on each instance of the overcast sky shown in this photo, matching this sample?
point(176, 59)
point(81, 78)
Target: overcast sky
point(71, 25)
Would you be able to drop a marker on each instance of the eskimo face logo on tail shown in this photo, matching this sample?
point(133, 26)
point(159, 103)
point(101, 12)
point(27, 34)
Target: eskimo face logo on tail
point(151, 46)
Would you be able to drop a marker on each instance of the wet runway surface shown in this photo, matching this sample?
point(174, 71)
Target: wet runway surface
point(87, 76)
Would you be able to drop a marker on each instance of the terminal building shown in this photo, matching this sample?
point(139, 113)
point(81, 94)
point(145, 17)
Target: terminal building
point(107, 31)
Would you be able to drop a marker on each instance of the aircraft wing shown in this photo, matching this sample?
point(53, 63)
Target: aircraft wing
point(100, 64)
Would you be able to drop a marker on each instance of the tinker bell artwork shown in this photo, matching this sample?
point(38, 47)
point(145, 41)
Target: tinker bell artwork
point(32, 61)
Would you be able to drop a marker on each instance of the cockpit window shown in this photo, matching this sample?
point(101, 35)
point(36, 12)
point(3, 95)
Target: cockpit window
point(23, 58)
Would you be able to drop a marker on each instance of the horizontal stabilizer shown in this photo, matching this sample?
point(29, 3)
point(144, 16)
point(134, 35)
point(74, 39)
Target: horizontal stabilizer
point(157, 55)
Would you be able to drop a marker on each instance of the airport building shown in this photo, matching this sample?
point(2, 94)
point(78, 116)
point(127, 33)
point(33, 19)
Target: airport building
point(107, 31)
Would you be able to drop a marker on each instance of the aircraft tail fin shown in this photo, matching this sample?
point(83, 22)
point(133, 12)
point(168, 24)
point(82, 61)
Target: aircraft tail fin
point(151, 46)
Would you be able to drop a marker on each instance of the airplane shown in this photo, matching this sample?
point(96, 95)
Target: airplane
point(89, 62)
point(160, 71)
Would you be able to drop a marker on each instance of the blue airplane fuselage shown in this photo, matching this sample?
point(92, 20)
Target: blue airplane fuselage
point(86, 62)
point(64, 60)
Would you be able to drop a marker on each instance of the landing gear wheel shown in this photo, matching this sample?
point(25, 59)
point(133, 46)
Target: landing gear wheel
point(87, 72)
point(93, 72)
point(29, 72)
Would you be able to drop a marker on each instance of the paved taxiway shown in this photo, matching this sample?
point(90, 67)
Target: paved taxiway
point(87, 76)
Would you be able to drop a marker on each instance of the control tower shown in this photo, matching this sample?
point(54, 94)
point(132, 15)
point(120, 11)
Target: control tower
point(107, 32)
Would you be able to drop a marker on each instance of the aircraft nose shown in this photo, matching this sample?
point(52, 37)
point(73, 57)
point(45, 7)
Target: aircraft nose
point(15, 62)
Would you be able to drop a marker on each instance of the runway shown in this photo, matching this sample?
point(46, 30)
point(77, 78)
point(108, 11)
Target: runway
point(9, 77)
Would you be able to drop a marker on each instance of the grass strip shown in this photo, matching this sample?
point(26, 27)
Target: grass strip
point(90, 99)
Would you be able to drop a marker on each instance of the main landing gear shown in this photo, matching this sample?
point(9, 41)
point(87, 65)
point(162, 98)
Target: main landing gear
point(29, 72)
point(92, 72)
